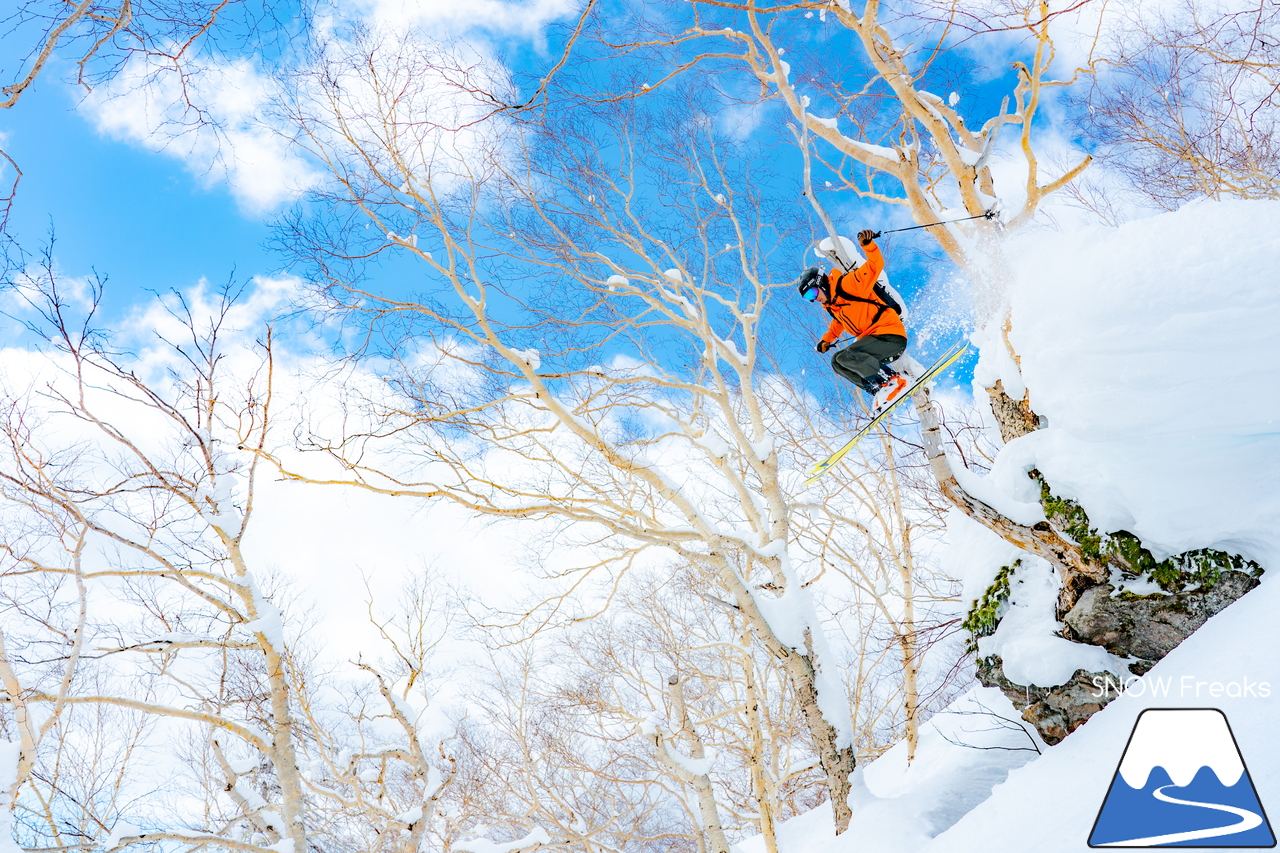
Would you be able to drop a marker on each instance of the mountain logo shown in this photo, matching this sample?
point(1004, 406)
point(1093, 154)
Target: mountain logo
point(1181, 783)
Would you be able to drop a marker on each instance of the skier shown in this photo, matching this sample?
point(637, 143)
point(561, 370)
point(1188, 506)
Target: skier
point(855, 306)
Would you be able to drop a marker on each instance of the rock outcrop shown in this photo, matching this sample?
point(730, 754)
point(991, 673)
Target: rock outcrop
point(1055, 711)
point(1143, 628)
point(1149, 626)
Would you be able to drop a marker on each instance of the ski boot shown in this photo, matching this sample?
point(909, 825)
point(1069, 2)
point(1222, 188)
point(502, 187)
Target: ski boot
point(888, 393)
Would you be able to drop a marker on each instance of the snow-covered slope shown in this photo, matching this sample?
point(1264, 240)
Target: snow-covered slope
point(899, 807)
point(1153, 350)
point(1050, 804)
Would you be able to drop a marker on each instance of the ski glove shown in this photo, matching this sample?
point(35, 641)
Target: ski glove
point(866, 235)
point(823, 346)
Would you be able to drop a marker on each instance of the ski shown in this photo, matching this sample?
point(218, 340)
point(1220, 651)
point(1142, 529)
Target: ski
point(938, 366)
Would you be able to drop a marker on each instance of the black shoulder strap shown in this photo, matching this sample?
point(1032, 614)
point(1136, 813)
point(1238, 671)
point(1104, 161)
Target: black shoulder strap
point(840, 293)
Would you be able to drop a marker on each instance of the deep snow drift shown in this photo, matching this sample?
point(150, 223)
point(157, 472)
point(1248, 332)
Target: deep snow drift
point(1152, 351)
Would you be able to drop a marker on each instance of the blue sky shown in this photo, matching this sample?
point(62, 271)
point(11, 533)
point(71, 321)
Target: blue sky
point(153, 221)
point(141, 218)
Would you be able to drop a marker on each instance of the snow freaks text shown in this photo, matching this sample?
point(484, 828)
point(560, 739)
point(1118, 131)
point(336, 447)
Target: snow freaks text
point(1184, 687)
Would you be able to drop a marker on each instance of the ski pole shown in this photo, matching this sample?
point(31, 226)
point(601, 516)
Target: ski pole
point(990, 214)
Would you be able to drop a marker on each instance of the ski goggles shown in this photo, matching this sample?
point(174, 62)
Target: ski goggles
point(810, 283)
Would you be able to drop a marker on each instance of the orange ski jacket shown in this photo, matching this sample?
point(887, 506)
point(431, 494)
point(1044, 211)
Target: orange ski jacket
point(853, 305)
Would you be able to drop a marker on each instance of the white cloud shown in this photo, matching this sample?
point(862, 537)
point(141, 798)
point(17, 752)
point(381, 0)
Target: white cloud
point(220, 122)
point(212, 121)
point(266, 299)
point(1098, 187)
point(26, 287)
point(474, 17)
point(394, 106)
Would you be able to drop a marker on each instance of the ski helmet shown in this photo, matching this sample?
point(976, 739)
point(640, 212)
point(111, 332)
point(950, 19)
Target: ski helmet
point(810, 282)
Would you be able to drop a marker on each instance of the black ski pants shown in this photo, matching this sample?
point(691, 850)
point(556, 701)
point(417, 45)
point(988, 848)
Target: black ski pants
point(860, 361)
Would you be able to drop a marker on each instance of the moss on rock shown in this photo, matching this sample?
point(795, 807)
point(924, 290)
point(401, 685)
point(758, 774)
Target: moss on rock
point(985, 614)
point(1200, 568)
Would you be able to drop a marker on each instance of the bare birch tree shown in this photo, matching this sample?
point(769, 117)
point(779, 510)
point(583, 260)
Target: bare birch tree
point(1189, 106)
point(589, 345)
point(138, 637)
point(910, 147)
point(157, 518)
point(654, 729)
